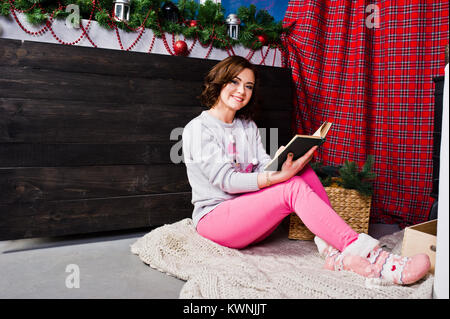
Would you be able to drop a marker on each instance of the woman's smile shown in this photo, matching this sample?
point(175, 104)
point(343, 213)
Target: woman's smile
point(239, 99)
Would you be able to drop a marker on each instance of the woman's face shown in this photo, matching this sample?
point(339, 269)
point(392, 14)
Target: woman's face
point(236, 94)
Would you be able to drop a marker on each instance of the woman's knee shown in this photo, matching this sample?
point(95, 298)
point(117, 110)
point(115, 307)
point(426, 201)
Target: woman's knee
point(297, 179)
point(307, 169)
point(298, 184)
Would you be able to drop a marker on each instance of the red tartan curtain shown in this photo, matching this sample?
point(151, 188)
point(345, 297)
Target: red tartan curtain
point(373, 79)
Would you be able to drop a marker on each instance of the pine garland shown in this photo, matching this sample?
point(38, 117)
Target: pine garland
point(348, 176)
point(258, 22)
point(210, 19)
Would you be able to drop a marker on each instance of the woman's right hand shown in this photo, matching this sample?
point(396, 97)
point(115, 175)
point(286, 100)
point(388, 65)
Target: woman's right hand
point(291, 168)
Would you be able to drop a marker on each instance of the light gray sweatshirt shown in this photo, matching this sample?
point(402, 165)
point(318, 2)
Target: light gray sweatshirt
point(222, 160)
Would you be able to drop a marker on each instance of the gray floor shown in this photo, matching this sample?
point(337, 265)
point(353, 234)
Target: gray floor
point(36, 268)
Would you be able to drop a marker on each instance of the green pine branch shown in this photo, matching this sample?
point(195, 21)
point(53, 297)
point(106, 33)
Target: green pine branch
point(188, 9)
point(353, 178)
point(210, 13)
point(349, 175)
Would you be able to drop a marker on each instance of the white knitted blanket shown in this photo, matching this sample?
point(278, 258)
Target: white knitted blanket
point(275, 268)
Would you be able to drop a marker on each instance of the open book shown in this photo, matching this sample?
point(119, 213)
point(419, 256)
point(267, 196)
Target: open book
point(299, 145)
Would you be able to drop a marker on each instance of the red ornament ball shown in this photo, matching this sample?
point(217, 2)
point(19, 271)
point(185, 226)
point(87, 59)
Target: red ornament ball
point(193, 23)
point(262, 38)
point(180, 48)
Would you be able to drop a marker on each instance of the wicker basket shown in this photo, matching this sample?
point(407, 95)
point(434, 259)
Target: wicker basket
point(353, 207)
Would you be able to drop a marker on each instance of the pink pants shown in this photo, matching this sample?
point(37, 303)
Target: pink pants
point(251, 217)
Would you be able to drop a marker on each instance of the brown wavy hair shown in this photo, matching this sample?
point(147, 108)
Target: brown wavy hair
point(222, 74)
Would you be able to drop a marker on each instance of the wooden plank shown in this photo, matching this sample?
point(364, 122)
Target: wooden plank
point(57, 218)
point(50, 121)
point(36, 84)
point(93, 88)
point(69, 155)
point(28, 185)
point(113, 62)
point(51, 155)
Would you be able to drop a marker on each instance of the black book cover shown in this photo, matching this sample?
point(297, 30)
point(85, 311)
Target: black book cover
point(299, 145)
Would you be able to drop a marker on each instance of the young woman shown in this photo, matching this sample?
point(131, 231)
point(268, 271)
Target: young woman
point(237, 204)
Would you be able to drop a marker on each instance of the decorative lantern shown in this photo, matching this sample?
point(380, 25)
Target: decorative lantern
point(170, 12)
point(122, 10)
point(233, 23)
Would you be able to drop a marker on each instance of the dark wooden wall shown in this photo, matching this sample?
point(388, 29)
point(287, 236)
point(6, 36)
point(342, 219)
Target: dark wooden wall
point(85, 136)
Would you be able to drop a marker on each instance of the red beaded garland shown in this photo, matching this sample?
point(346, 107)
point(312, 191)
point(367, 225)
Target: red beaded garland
point(264, 56)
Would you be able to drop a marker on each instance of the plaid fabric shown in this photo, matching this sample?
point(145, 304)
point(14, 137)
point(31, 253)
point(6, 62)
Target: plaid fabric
point(375, 84)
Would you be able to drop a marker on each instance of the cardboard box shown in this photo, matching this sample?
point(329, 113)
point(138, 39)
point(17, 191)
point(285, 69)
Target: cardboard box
point(421, 238)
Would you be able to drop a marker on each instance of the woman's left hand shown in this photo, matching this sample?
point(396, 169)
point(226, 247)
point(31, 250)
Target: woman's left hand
point(291, 168)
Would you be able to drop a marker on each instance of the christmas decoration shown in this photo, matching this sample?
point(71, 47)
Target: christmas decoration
point(203, 23)
point(262, 38)
point(170, 12)
point(348, 175)
point(122, 10)
point(352, 178)
point(258, 22)
point(180, 48)
point(233, 23)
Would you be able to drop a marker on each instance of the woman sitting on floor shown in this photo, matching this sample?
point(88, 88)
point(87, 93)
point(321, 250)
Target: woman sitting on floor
point(237, 204)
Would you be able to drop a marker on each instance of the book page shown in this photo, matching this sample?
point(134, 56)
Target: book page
point(323, 130)
point(317, 133)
